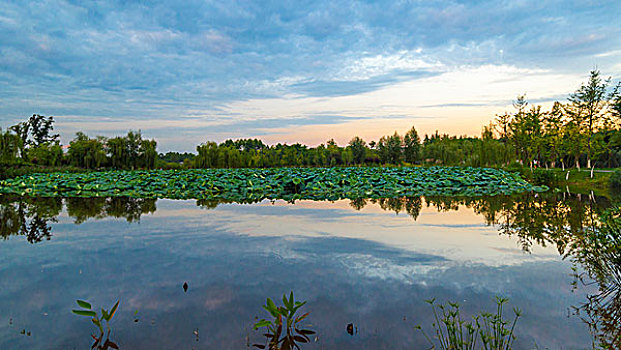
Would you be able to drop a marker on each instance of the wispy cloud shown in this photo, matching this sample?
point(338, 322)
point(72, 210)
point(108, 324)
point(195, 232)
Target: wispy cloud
point(161, 61)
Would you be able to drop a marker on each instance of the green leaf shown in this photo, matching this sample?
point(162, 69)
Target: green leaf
point(83, 304)
point(261, 323)
point(113, 310)
point(85, 313)
point(271, 307)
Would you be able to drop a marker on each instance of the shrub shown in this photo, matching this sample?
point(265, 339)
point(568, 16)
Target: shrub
point(544, 177)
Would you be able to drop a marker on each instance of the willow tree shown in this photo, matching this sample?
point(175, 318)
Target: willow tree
point(85, 152)
point(11, 146)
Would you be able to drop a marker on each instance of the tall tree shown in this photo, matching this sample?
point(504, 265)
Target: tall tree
point(36, 130)
point(526, 131)
point(502, 126)
point(553, 134)
point(590, 100)
point(411, 149)
point(41, 130)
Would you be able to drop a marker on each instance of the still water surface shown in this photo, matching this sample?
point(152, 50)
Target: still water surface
point(368, 263)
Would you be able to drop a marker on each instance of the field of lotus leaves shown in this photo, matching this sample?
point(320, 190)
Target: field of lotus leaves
point(251, 185)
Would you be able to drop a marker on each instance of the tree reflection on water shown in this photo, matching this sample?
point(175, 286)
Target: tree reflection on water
point(31, 217)
point(28, 217)
point(584, 229)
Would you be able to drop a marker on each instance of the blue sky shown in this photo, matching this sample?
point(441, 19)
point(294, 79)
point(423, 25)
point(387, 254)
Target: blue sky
point(189, 71)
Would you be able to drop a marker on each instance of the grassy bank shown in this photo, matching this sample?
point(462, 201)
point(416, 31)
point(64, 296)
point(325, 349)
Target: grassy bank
point(578, 181)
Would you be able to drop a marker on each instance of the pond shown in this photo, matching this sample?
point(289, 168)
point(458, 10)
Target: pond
point(195, 274)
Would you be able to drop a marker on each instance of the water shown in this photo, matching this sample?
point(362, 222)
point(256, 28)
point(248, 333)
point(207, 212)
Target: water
point(372, 265)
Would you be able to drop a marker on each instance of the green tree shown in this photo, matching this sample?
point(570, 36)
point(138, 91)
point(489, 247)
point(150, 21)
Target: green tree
point(553, 130)
point(615, 104)
point(118, 152)
point(35, 131)
point(411, 149)
point(358, 149)
point(85, 152)
point(148, 153)
point(589, 101)
point(47, 153)
point(207, 155)
point(526, 132)
point(390, 149)
point(10, 147)
point(41, 130)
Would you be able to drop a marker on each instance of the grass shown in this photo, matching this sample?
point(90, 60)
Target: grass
point(453, 332)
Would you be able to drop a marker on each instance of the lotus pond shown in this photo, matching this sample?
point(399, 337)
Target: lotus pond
point(251, 185)
point(194, 274)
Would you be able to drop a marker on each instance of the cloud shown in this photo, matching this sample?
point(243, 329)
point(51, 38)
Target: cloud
point(161, 60)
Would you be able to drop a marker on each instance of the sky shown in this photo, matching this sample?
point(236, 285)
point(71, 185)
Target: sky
point(184, 72)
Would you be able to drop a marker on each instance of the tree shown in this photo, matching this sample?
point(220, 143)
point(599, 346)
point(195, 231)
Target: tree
point(10, 147)
point(87, 153)
point(118, 152)
point(590, 100)
point(40, 129)
point(502, 126)
point(48, 153)
point(411, 149)
point(207, 155)
point(334, 153)
point(389, 149)
point(36, 130)
point(148, 154)
point(526, 132)
point(21, 131)
point(553, 134)
point(358, 149)
point(615, 103)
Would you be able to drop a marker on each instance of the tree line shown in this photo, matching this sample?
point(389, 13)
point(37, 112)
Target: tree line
point(582, 131)
point(33, 142)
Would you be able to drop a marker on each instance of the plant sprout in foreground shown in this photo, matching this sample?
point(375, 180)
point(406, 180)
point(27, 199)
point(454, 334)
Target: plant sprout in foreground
point(100, 343)
point(284, 332)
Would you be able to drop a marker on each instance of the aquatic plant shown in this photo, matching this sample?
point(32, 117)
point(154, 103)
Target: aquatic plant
point(455, 333)
point(106, 316)
point(251, 185)
point(284, 331)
